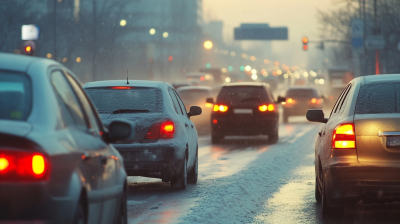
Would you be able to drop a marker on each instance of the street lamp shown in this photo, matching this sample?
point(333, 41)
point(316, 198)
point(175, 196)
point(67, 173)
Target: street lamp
point(165, 34)
point(152, 31)
point(122, 22)
point(208, 44)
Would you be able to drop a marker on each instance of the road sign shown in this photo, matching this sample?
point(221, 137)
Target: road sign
point(260, 32)
point(29, 32)
point(375, 42)
point(357, 33)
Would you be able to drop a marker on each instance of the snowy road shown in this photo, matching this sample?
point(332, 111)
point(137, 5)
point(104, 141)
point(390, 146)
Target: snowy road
point(245, 180)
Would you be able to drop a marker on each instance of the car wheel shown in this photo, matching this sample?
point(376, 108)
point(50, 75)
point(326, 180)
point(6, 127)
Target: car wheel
point(193, 173)
point(215, 138)
point(273, 138)
point(80, 217)
point(318, 196)
point(329, 211)
point(180, 182)
point(123, 217)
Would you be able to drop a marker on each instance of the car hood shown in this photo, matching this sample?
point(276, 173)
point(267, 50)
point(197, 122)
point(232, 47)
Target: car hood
point(141, 121)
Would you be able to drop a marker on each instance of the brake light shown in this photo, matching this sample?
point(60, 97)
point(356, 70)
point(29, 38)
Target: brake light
point(16, 166)
point(157, 131)
point(221, 108)
point(122, 87)
point(289, 100)
point(264, 108)
point(344, 137)
point(315, 101)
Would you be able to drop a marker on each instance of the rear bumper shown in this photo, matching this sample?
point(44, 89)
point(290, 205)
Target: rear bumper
point(250, 125)
point(31, 203)
point(152, 160)
point(367, 183)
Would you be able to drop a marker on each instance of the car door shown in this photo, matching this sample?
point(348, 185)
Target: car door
point(191, 131)
point(91, 165)
point(111, 187)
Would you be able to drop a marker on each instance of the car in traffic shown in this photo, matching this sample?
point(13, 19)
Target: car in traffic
point(333, 94)
point(299, 100)
point(245, 108)
point(56, 161)
point(202, 78)
point(271, 80)
point(165, 143)
point(357, 150)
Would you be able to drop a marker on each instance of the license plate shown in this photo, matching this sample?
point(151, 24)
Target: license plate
point(243, 111)
point(393, 141)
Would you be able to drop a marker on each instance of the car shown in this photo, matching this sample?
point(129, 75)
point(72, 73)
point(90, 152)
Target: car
point(197, 95)
point(56, 161)
point(203, 78)
point(357, 150)
point(245, 108)
point(271, 80)
point(333, 94)
point(166, 143)
point(238, 77)
point(299, 100)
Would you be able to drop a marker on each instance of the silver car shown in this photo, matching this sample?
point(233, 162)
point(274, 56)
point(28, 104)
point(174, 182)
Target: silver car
point(56, 161)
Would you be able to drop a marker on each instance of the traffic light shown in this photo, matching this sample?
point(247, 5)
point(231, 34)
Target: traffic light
point(29, 48)
point(305, 43)
point(170, 58)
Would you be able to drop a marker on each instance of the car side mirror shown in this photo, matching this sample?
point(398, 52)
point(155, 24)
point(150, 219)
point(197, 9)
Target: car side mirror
point(281, 99)
point(316, 116)
point(210, 100)
point(194, 111)
point(120, 130)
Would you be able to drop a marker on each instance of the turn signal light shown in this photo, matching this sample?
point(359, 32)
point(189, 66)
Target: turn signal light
point(264, 108)
point(18, 166)
point(344, 137)
point(221, 108)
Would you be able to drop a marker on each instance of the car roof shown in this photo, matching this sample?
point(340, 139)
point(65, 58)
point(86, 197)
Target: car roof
point(381, 78)
point(194, 88)
point(244, 84)
point(141, 83)
point(21, 63)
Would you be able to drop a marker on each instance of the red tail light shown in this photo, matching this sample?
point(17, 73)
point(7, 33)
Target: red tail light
point(221, 108)
point(344, 137)
point(165, 130)
point(18, 166)
point(264, 108)
point(122, 87)
point(315, 101)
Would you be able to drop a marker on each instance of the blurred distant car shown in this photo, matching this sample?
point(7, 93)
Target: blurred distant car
point(204, 79)
point(165, 142)
point(271, 80)
point(238, 77)
point(357, 150)
point(244, 109)
point(197, 95)
point(179, 84)
point(56, 161)
point(299, 100)
point(299, 82)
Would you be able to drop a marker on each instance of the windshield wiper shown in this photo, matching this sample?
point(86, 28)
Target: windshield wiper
point(121, 111)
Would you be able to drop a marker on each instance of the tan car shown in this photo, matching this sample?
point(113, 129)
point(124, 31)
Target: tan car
point(357, 153)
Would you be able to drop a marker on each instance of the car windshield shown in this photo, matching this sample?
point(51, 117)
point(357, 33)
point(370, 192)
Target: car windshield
point(15, 96)
point(138, 100)
point(241, 94)
point(302, 93)
point(379, 99)
point(193, 94)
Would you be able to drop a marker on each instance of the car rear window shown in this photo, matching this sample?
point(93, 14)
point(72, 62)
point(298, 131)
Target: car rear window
point(240, 94)
point(378, 98)
point(193, 94)
point(140, 99)
point(15, 96)
point(302, 93)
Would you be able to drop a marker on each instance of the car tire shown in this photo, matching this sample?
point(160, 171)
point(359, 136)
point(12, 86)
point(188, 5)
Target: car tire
point(193, 173)
point(123, 217)
point(329, 211)
point(273, 138)
point(180, 182)
point(80, 216)
point(318, 196)
point(215, 138)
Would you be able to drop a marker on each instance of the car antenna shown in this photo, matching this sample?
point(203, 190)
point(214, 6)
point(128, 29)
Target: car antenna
point(127, 82)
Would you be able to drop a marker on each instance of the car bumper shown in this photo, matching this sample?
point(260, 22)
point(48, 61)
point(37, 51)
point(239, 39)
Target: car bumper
point(354, 183)
point(31, 203)
point(244, 125)
point(152, 160)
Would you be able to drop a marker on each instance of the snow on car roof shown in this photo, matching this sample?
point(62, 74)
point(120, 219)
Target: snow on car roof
point(122, 82)
point(381, 78)
point(20, 63)
point(194, 87)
